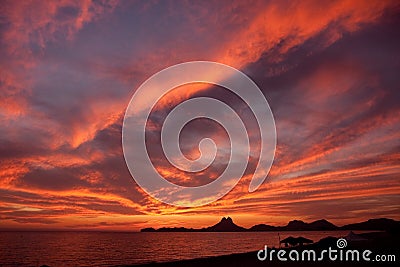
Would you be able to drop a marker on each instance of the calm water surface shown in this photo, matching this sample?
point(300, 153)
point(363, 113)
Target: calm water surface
point(116, 248)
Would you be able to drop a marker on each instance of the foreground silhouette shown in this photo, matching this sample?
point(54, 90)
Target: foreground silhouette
point(379, 242)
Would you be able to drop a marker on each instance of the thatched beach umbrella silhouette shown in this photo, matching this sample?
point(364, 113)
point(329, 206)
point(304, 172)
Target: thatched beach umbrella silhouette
point(289, 241)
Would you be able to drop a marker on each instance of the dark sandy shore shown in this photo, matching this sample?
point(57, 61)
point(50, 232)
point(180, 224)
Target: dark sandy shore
point(381, 243)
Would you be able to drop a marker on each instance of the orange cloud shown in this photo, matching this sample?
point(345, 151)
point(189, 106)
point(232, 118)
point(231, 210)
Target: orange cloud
point(279, 27)
point(289, 24)
point(317, 170)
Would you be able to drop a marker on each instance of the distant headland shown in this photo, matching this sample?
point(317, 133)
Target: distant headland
point(227, 225)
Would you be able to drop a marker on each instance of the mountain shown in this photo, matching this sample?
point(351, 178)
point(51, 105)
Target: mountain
point(169, 229)
point(225, 225)
point(374, 224)
point(149, 229)
point(296, 226)
point(262, 228)
point(322, 225)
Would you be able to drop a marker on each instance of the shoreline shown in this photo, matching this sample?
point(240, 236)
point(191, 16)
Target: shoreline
point(378, 242)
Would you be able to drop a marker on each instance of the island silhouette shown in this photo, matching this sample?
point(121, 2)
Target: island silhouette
point(227, 225)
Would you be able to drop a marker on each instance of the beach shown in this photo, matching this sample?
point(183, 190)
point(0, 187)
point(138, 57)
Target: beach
point(380, 243)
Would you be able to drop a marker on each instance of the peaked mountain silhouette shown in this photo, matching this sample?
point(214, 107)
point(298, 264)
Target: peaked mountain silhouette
point(227, 225)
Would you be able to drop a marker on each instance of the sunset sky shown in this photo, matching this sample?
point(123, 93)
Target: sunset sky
point(68, 69)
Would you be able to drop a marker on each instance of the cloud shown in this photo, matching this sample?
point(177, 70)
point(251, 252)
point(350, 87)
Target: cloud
point(69, 69)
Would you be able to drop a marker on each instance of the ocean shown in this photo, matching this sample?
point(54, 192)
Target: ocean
point(122, 248)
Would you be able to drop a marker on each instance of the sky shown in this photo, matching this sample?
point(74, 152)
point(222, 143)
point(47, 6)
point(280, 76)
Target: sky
point(68, 70)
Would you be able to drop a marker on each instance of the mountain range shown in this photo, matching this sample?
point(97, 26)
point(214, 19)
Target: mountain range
point(227, 225)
